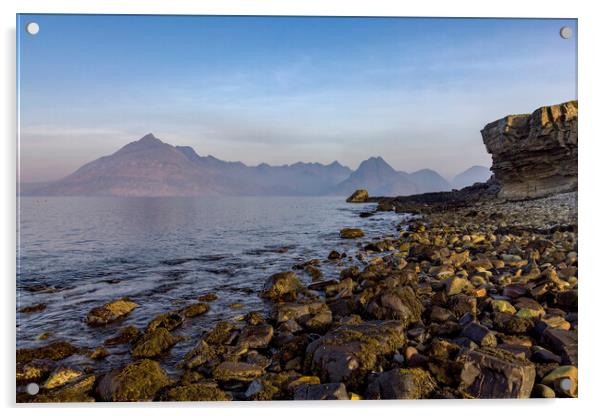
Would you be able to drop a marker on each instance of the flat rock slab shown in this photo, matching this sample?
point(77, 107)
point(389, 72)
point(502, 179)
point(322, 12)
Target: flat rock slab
point(490, 373)
point(110, 312)
point(239, 371)
point(563, 343)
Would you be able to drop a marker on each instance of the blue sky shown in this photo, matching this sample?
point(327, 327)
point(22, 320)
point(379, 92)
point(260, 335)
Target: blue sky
point(416, 91)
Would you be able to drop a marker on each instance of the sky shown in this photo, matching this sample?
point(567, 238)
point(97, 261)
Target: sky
point(416, 91)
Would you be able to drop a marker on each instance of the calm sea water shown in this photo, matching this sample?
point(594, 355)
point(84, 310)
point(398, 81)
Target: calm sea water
point(78, 253)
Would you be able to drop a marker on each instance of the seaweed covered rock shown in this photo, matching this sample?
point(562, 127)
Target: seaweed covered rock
point(361, 195)
point(110, 312)
point(199, 392)
point(54, 351)
point(351, 233)
point(282, 286)
point(137, 381)
point(349, 352)
point(154, 343)
point(239, 371)
point(490, 373)
point(399, 303)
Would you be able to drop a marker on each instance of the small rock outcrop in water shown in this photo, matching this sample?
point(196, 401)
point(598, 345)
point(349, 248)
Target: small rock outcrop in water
point(535, 155)
point(361, 195)
point(110, 312)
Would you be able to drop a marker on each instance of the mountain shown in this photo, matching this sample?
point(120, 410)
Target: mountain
point(150, 167)
point(379, 178)
point(471, 176)
point(428, 180)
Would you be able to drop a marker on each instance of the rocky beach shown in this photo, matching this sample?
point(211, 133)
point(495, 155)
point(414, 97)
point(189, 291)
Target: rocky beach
point(475, 296)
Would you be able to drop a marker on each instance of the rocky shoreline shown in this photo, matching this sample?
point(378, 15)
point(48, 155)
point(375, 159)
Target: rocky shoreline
point(475, 298)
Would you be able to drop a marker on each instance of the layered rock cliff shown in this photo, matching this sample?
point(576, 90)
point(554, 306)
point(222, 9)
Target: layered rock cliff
point(535, 155)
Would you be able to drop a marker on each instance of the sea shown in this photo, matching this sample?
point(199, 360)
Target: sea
point(77, 253)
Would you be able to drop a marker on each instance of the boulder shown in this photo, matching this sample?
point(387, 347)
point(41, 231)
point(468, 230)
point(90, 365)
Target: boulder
point(110, 312)
point(563, 343)
point(329, 391)
point(361, 195)
point(137, 381)
point(61, 376)
point(198, 392)
point(256, 336)
point(490, 373)
point(402, 384)
point(399, 303)
point(351, 233)
point(281, 286)
point(76, 391)
point(349, 352)
point(154, 343)
point(535, 155)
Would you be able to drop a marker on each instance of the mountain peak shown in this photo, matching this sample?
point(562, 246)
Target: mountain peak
point(149, 138)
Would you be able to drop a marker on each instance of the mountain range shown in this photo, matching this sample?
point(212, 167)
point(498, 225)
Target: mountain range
point(150, 167)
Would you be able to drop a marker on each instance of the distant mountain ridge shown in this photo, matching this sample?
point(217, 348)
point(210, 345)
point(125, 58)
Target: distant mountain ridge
point(150, 167)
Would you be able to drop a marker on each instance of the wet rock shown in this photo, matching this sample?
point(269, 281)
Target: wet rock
point(198, 392)
point(168, 321)
point(360, 195)
point(125, 335)
point(402, 384)
point(220, 334)
point(314, 272)
point(495, 374)
point(138, 381)
point(33, 308)
point(208, 297)
point(154, 343)
point(349, 352)
point(110, 312)
point(34, 371)
point(201, 354)
point(563, 380)
point(283, 312)
point(99, 353)
point(329, 391)
point(254, 318)
point(77, 391)
point(257, 336)
point(195, 310)
point(55, 351)
point(61, 376)
point(334, 255)
point(238, 371)
point(351, 233)
point(282, 286)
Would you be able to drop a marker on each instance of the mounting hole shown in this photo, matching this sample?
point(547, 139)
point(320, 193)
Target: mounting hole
point(32, 389)
point(32, 28)
point(566, 32)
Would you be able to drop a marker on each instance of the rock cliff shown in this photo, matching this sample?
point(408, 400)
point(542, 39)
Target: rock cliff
point(535, 155)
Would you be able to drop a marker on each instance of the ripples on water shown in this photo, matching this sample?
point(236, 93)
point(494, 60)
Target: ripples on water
point(78, 253)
